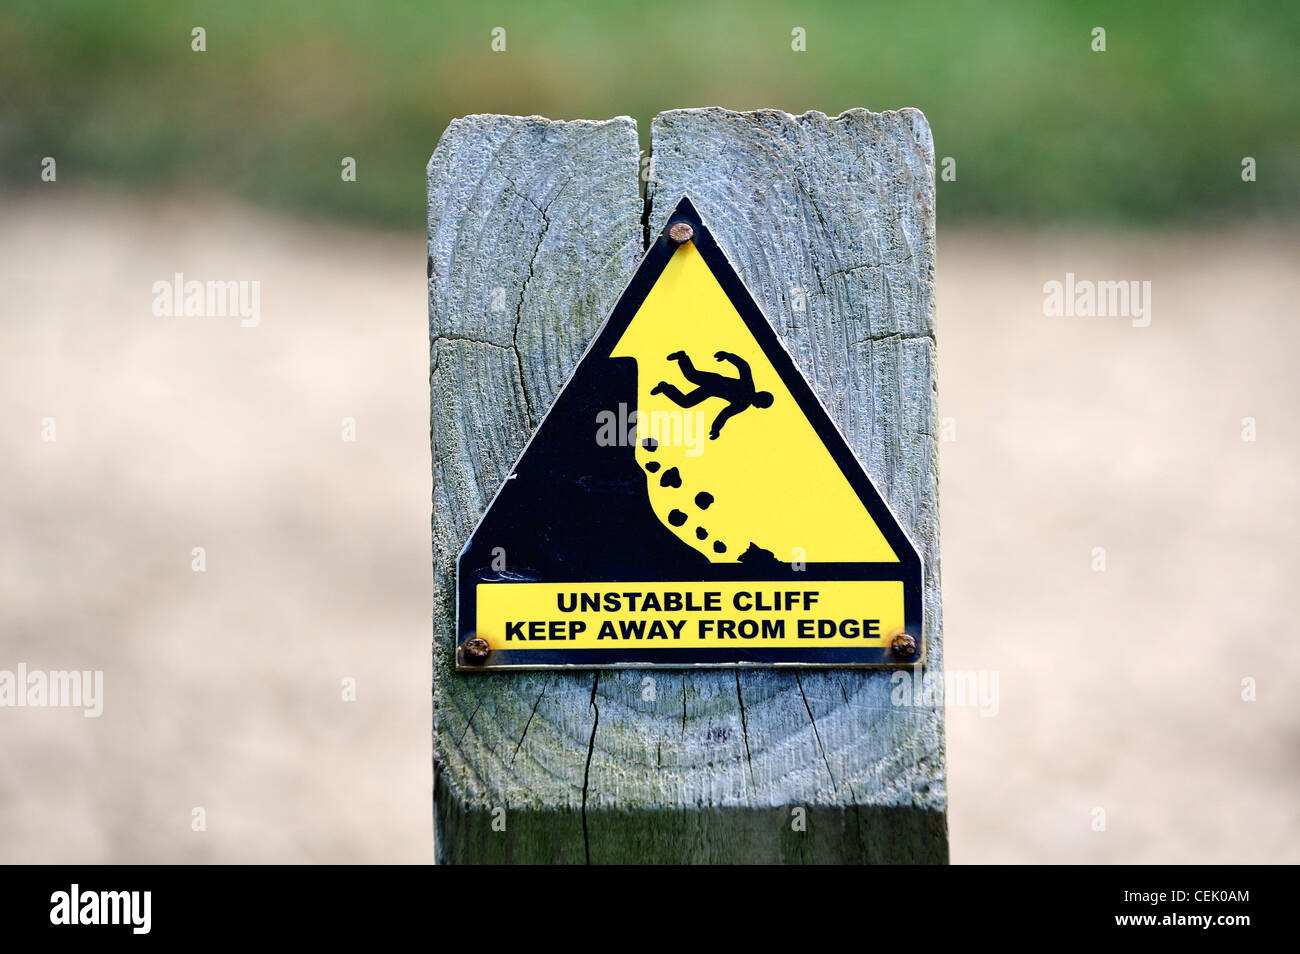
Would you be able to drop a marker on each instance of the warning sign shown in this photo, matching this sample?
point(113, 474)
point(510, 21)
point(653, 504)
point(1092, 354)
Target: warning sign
point(687, 501)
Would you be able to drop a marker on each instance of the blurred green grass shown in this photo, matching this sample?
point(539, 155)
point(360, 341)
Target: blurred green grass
point(1042, 128)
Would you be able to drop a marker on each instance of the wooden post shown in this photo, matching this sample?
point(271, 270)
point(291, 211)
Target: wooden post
point(535, 227)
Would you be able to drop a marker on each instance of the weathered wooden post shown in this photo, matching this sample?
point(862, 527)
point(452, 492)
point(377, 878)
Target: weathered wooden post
point(535, 228)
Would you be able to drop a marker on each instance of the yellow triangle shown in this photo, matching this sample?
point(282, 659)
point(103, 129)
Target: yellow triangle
point(772, 482)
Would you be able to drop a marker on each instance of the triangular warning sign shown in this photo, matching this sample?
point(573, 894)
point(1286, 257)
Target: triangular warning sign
point(687, 501)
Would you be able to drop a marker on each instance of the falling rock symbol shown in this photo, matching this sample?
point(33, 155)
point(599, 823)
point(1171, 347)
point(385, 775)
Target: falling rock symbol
point(671, 477)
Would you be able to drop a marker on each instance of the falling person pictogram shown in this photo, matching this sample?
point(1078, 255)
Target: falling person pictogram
point(738, 392)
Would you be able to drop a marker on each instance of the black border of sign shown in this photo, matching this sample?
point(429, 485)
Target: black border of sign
point(909, 569)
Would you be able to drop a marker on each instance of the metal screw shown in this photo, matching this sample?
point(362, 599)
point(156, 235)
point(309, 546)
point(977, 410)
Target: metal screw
point(904, 645)
point(681, 232)
point(476, 648)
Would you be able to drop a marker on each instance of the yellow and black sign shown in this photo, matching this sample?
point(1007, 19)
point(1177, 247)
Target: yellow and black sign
point(687, 501)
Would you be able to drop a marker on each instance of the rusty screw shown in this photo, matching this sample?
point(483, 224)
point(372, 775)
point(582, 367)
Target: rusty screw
point(681, 232)
point(477, 648)
point(904, 645)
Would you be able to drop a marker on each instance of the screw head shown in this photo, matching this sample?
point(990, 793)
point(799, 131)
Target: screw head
point(476, 648)
point(681, 232)
point(904, 645)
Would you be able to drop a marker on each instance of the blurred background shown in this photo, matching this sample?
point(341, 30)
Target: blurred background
point(1120, 688)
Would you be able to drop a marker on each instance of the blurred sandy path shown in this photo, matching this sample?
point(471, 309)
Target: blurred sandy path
point(1119, 690)
point(224, 688)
